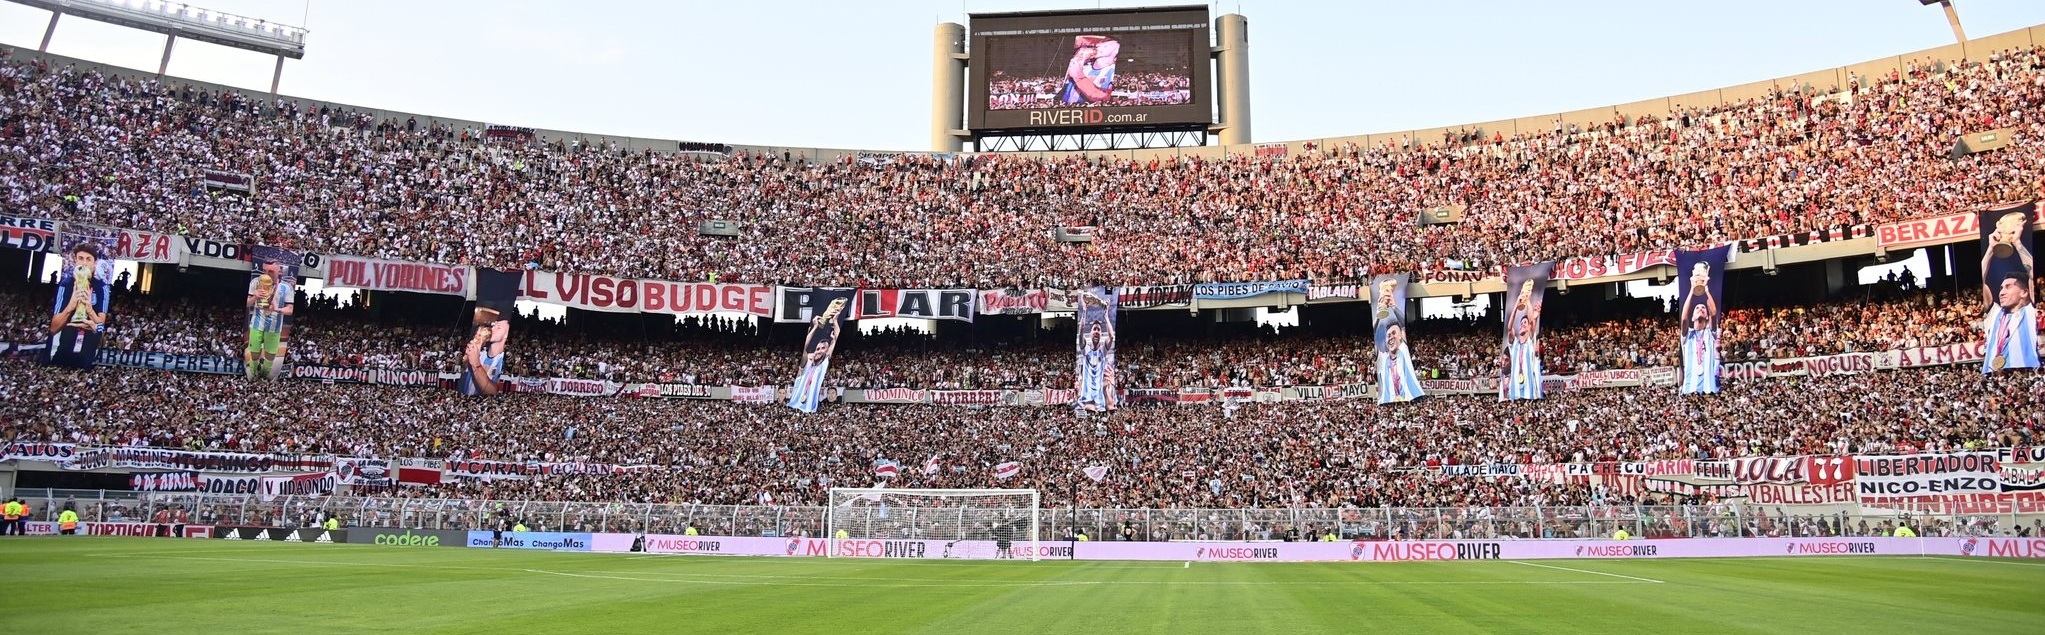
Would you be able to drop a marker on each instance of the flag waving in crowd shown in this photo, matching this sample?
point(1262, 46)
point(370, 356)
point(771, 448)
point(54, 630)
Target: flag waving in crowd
point(1701, 279)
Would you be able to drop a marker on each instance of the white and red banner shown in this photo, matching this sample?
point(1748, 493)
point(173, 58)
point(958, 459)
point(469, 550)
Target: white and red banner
point(398, 275)
point(128, 244)
point(1013, 301)
point(1929, 231)
point(629, 295)
point(1007, 470)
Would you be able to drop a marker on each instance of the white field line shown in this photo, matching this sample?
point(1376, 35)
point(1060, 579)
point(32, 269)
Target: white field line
point(1988, 560)
point(1615, 575)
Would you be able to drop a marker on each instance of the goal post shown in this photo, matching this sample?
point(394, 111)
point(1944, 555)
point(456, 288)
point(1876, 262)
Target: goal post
point(979, 524)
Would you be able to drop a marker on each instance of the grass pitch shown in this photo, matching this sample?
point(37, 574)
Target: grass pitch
point(143, 585)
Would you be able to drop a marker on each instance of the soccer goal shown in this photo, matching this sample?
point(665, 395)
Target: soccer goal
point(983, 524)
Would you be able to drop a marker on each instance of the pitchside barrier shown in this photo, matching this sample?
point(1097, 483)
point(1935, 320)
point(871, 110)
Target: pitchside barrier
point(1344, 551)
point(39, 528)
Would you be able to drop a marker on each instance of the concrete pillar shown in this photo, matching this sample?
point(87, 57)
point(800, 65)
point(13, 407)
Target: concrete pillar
point(277, 75)
point(168, 41)
point(947, 86)
point(49, 32)
point(1232, 77)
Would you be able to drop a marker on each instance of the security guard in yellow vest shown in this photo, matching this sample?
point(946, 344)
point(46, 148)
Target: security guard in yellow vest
point(10, 512)
point(333, 523)
point(67, 523)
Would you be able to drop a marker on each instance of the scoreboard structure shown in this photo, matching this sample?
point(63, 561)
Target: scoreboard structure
point(1090, 80)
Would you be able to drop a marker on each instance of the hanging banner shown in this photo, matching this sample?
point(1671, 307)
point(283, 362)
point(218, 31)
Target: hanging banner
point(825, 326)
point(1890, 479)
point(375, 376)
point(627, 295)
point(398, 275)
point(1154, 296)
point(124, 244)
point(1700, 275)
point(2011, 328)
point(1612, 265)
point(1238, 290)
point(1095, 368)
point(213, 364)
point(33, 234)
point(299, 485)
point(1013, 301)
point(1325, 291)
point(1524, 289)
point(272, 290)
point(85, 289)
point(1396, 379)
point(355, 472)
point(941, 304)
point(489, 332)
point(752, 394)
point(164, 482)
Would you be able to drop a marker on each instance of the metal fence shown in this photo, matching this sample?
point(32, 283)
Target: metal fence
point(1697, 521)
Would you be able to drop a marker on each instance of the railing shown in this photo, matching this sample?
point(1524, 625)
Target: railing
point(1696, 521)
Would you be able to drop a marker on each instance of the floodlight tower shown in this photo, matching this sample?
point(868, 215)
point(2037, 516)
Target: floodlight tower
point(1952, 17)
point(175, 20)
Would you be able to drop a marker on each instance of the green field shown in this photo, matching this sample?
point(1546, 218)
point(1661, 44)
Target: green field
point(144, 585)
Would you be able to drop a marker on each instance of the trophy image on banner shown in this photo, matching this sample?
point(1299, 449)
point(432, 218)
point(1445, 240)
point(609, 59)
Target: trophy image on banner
point(2010, 330)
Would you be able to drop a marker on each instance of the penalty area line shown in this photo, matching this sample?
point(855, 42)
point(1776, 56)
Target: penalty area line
point(1615, 575)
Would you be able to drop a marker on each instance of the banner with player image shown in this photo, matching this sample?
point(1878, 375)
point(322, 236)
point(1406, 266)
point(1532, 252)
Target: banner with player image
point(1396, 379)
point(1700, 278)
point(1096, 364)
point(2007, 270)
point(273, 285)
point(489, 332)
point(85, 290)
point(827, 314)
point(1524, 288)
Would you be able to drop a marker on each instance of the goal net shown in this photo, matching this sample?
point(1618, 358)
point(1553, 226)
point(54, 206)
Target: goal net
point(981, 524)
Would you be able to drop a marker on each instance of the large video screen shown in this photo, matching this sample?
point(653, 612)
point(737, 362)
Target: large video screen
point(1072, 69)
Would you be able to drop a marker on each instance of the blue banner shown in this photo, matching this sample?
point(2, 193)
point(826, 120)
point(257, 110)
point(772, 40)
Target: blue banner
point(1239, 290)
point(170, 361)
point(1700, 278)
point(1396, 379)
point(2011, 330)
point(1524, 289)
point(1096, 348)
point(542, 540)
point(833, 311)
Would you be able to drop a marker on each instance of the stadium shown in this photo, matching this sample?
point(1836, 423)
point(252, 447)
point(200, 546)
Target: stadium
point(1759, 358)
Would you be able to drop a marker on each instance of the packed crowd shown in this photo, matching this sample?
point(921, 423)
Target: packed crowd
point(1310, 454)
point(709, 350)
point(130, 151)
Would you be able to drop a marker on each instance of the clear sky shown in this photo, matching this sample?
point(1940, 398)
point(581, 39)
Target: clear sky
point(849, 74)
